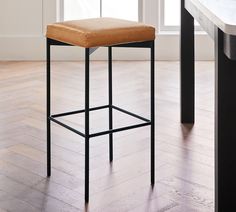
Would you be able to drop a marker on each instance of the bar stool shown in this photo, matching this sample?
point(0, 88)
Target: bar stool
point(91, 34)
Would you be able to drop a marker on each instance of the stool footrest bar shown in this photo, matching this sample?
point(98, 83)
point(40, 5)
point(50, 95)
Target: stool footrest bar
point(146, 123)
point(67, 127)
point(119, 129)
point(130, 113)
point(79, 111)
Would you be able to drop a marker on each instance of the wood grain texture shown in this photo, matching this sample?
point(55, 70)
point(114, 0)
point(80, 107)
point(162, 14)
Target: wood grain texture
point(184, 153)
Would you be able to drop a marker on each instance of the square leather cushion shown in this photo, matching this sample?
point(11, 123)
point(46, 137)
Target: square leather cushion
point(100, 32)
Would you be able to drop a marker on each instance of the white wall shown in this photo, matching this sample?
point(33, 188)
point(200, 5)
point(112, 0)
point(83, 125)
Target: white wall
point(22, 28)
point(23, 24)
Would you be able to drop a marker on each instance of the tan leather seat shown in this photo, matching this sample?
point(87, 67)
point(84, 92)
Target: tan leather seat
point(100, 32)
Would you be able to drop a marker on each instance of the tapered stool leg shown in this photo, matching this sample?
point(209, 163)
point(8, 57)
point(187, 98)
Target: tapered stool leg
point(48, 110)
point(110, 102)
point(86, 125)
point(153, 113)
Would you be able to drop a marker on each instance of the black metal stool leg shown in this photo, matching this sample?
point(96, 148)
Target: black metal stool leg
point(110, 102)
point(153, 113)
point(48, 111)
point(86, 125)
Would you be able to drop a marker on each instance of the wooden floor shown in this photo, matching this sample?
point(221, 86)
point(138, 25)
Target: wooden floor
point(184, 153)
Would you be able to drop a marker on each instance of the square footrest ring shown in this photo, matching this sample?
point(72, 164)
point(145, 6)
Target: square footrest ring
point(146, 122)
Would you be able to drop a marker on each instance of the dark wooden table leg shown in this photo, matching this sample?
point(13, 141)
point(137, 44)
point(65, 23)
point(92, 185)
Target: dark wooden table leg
point(187, 65)
point(225, 128)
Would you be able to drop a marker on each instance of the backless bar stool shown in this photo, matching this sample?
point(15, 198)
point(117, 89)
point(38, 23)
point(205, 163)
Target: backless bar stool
point(91, 34)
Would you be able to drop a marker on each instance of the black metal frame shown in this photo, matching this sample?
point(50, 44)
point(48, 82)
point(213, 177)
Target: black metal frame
point(110, 106)
point(225, 102)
